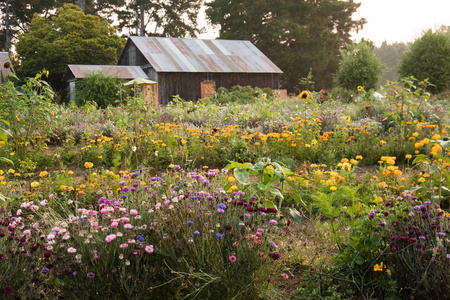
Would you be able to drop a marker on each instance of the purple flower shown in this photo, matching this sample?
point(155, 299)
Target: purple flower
point(247, 216)
point(125, 189)
point(218, 235)
point(45, 270)
point(122, 183)
point(190, 223)
point(441, 233)
point(8, 290)
point(140, 238)
point(90, 275)
point(273, 222)
point(371, 214)
point(422, 237)
point(48, 254)
point(275, 256)
point(196, 232)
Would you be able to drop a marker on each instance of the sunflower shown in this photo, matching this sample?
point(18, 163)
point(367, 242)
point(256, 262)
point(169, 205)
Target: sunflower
point(304, 95)
point(360, 88)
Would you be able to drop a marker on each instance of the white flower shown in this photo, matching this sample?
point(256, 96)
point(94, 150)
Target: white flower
point(156, 153)
point(133, 148)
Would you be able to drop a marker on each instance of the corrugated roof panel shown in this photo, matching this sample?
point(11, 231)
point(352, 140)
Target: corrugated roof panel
point(125, 72)
point(193, 55)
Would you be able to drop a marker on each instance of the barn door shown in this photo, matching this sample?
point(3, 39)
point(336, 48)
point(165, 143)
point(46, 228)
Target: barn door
point(208, 89)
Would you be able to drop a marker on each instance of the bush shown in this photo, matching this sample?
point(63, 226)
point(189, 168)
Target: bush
point(429, 57)
point(99, 88)
point(358, 67)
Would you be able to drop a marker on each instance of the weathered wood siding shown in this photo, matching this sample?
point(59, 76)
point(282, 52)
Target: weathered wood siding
point(188, 85)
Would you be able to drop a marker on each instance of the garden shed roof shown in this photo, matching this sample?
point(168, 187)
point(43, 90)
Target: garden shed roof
point(124, 72)
point(202, 56)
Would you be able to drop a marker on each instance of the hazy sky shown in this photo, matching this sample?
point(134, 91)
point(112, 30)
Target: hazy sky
point(392, 20)
point(400, 20)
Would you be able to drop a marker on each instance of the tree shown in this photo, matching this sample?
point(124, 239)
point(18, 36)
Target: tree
point(358, 67)
point(297, 35)
point(429, 57)
point(70, 37)
point(389, 56)
point(171, 18)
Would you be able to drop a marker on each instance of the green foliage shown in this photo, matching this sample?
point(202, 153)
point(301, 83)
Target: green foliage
point(70, 37)
point(241, 94)
point(99, 88)
point(358, 67)
point(429, 57)
point(296, 35)
point(27, 109)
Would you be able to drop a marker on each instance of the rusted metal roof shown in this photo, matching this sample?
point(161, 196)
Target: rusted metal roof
point(124, 72)
point(205, 56)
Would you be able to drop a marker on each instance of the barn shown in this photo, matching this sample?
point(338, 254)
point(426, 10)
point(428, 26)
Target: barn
point(195, 68)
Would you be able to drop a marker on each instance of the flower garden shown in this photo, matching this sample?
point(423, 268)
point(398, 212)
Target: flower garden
point(306, 198)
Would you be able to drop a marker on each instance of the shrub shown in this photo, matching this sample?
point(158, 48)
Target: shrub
point(99, 88)
point(358, 67)
point(429, 57)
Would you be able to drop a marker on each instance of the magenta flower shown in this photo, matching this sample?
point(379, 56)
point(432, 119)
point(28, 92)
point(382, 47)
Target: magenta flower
point(149, 249)
point(232, 258)
point(273, 222)
point(110, 238)
point(90, 275)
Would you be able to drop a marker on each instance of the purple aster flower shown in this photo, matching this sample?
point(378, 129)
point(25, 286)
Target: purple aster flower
point(441, 233)
point(247, 216)
point(90, 275)
point(122, 183)
point(45, 270)
point(190, 223)
point(196, 232)
point(371, 214)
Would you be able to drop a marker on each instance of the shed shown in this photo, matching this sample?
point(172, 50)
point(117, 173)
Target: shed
point(76, 72)
point(194, 68)
point(4, 68)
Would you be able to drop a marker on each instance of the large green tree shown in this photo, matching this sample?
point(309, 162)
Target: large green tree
point(358, 67)
point(297, 35)
point(70, 37)
point(429, 57)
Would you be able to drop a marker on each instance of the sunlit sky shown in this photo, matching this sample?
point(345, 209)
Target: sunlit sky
point(400, 20)
point(390, 20)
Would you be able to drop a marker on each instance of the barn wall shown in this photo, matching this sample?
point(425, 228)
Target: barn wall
point(132, 56)
point(188, 85)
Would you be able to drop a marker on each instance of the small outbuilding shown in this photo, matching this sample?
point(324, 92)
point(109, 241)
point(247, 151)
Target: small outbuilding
point(76, 72)
point(194, 68)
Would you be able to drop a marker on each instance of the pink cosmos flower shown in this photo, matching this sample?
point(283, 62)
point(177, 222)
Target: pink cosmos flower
point(133, 212)
point(71, 250)
point(285, 276)
point(114, 224)
point(128, 226)
point(125, 219)
point(149, 249)
point(232, 258)
point(27, 231)
point(110, 238)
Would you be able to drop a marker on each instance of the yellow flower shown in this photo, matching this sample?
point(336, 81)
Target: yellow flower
point(382, 142)
point(34, 184)
point(436, 137)
point(421, 179)
point(304, 95)
point(231, 179)
point(88, 165)
point(43, 174)
point(358, 157)
point(70, 172)
point(1, 172)
point(378, 267)
point(333, 188)
point(63, 187)
point(170, 166)
point(378, 199)
point(382, 185)
point(415, 134)
point(11, 171)
point(408, 156)
point(12, 153)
